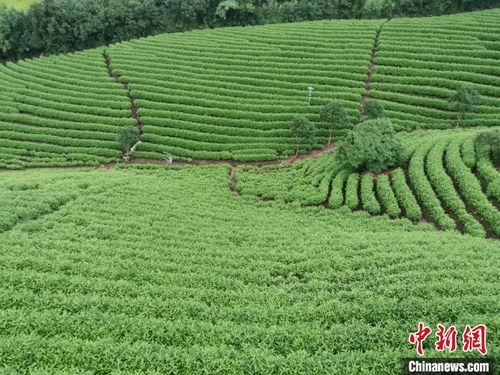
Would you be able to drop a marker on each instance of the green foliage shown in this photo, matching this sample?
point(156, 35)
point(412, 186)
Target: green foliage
point(445, 190)
point(238, 12)
point(17, 4)
point(464, 101)
point(468, 151)
point(491, 139)
point(50, 26)
point(209, 283)
point(373, 109)
point(127, 136)
point(337, 197)
point(371, 145)
point(432, 191)
point(470, 187)
point(405, 196)
point(423, 188)
point(387, 197)
point(303, 131)
point(351, 191)
point(368, 199)
point(335, 115)
point(379, 8)
point(487, 171)
point(239, 108)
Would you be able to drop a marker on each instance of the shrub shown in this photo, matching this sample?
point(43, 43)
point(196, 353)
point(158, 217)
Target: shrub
point(373, 109)
point(127, 136)
point(405, 196)
point(387, 197)
point(464, 101)
point(370, 203)
point(491, 139)
point(351, 191)
point(337, 197)
point(371, 145)
point(303, 131)
point(335, 115)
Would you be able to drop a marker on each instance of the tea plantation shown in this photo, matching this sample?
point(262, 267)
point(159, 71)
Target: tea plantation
point(166, 271)
point(214, 249)
point(229, 93)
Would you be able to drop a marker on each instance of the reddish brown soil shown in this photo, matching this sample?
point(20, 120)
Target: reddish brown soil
point(292, 159)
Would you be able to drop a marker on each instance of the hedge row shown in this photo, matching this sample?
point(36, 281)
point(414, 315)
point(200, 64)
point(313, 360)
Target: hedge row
point(351, 191)
point(423, 188)
point(443, 185)
point(470, 186)
point(387, 197)
point(370, 202)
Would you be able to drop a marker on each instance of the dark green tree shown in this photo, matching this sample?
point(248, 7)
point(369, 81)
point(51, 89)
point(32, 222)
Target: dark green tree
point(491, 139)
point(464, 101)
point(335, 115)
point(127, 137)
point(373, 109)
point(303, 131)
point(372, 145)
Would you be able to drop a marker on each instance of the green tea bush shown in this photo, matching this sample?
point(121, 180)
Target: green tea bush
point(373, 109)
point(371, 145)
point(405, 196)
point(491, 139)
point(370, 202)
point(387, 197)
point(335, 115)
point(127, 136)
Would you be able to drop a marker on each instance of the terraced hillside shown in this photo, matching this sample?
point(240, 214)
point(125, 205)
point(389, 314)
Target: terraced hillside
point(421, 61)
point(449, 180)
point(229, 93)
point(202, 281)
point(60, 110)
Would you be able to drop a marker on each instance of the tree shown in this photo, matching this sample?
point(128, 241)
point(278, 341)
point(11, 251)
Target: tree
point(127, 137)
point(373, 109)
point(464, 101)
point(371, 145)
point(303, 131)
point(491, 139)
point(335, 115)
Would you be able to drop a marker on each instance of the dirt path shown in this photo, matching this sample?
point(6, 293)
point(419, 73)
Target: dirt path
point(292, 159)
point(134, 109)
point(371, 69)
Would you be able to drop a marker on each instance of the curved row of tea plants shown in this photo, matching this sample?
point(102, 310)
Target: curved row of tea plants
point(210, 282)
point(60, 111)
point(230, 93)
point(422, 61)
point(200, 98)
point(440, 184)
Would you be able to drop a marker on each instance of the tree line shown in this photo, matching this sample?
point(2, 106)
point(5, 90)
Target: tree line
point(55, 26)
point(371, 144)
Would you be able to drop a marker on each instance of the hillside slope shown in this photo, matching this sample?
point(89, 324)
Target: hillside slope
point(447, 179)
point(229, 93)
point(195, 280)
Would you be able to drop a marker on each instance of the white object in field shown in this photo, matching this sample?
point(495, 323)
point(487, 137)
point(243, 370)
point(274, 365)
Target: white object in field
point(310, 90)
point(168, 158)
point(134, 146)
